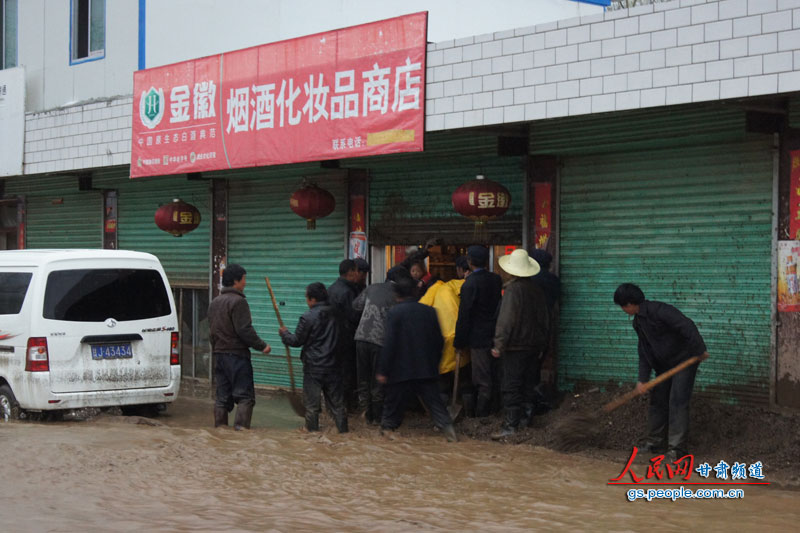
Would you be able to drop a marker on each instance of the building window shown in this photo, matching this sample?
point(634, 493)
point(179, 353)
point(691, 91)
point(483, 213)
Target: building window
point(88, 40)
point(193, 323)
point(8, 33)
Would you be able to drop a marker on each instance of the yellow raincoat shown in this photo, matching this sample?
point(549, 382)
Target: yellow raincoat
point(445, 298)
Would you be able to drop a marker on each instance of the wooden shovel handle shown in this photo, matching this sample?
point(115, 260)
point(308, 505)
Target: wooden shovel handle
point(625, 398)
point(274, 302)
point(280, 322)
point(455, 377)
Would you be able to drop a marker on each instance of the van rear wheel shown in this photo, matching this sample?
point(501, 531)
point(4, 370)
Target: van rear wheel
point(9, 408)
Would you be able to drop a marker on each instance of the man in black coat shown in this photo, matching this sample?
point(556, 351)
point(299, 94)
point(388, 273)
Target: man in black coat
point(317, 332)
point(666, 338)
point(480, 296)
point(232, 335)
point(341, 294)
point(409, 361)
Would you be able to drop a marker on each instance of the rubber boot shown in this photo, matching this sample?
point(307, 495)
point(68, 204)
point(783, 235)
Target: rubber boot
point(482, 407)
point(220, 417)
point(510, 423)
point(468, 400)
point(244, 412)
point(312, 422)
point(526, 417)
point(377, 413)
point(449, 433)
point(341, 424)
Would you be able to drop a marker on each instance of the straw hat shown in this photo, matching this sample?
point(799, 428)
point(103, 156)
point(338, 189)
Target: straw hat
point(519, 264)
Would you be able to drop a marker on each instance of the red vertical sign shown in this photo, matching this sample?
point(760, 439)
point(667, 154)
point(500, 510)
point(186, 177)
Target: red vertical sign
point(543, 213)
point(346, 93)
point(794, 195)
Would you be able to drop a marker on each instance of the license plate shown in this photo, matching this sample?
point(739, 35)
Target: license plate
point(112, 351)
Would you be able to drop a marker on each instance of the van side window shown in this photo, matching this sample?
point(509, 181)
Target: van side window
point(13, 287)
point(94, 295)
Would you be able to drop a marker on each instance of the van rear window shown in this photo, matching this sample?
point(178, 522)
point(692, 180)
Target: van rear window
point(94, 295)
point(13, 287)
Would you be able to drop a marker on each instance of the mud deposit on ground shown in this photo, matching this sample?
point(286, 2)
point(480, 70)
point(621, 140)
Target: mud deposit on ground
point(717, 432)
point(106, 472)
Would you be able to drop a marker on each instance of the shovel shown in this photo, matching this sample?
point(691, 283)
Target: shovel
point(294, 397)
point(453, 408)
point(572, 431)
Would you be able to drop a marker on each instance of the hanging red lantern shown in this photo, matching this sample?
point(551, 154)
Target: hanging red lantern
point(481, 200)
point(311, 203)
point(177, 217)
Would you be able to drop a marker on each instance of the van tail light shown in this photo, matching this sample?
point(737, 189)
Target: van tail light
point(36, 357)
point(174, 349)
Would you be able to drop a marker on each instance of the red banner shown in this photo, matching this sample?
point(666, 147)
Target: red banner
point(346, 93)
point(542, 213)
point(794, 196)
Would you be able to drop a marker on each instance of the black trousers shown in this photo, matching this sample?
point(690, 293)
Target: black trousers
point(370, 392)
point(520, 375)
point(668, 422)
point(234, 377)
point(347, 360)
point(484, 369)
point(330, 386)
point(398, 395)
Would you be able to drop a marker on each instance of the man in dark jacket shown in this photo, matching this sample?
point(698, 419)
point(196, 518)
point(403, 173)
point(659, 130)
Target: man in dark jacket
point(409, 361)
point(318, 333)
point(520, 337)
point(666, 338)
point(480, 296)
point(342, 293)
point(232, 335)
point(374, 303)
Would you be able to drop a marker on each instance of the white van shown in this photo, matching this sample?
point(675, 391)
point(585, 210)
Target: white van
point(85, 328)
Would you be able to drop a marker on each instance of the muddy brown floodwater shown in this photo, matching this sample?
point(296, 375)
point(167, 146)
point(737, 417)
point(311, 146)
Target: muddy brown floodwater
point(175, 473)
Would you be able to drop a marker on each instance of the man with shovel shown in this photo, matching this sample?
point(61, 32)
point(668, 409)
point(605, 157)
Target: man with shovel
point(318, 334)
point(232, 335)
point(666, 339)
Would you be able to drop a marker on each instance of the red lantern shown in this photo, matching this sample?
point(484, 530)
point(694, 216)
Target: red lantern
point(481, 200)
point(177, 217)
point(311, 203)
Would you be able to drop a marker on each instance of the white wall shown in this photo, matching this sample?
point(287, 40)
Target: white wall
point(44, 52)
point(207, 27)
point(178, 30)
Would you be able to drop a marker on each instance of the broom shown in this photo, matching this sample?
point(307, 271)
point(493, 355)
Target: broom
point(574, 430)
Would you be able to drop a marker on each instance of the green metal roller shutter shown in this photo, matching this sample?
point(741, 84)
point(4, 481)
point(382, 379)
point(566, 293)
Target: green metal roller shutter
point(267, 238)
point(692, 227)
point(58, 214)
point(186, 259)
point(410, 194)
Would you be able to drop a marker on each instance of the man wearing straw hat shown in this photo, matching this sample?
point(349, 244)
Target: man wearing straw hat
point(520, 337)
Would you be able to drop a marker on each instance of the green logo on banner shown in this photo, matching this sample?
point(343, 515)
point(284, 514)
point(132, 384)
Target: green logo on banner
point(151, 107)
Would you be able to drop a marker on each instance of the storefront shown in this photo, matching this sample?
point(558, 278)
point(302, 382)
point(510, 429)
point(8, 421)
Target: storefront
point(680, 203)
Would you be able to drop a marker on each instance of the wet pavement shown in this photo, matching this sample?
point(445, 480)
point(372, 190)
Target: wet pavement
point(176, 473)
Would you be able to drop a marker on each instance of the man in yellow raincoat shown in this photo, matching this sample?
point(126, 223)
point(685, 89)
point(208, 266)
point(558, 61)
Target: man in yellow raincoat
point(445, 298)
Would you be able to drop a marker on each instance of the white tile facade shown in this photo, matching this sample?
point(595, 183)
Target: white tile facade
point(656, 55)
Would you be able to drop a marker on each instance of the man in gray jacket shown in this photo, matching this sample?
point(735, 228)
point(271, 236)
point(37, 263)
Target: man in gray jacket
point(520, 338)
point(373, 303)
point(232, 335)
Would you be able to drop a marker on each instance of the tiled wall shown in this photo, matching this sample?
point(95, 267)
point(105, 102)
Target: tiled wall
point(89, 135)
point(654, 55)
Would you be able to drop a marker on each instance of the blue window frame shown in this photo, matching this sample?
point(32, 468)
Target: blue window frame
point(8, 33)
point(604, 3)
point(87, 41)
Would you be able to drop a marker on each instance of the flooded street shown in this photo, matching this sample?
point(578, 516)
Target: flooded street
point(122, 474)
